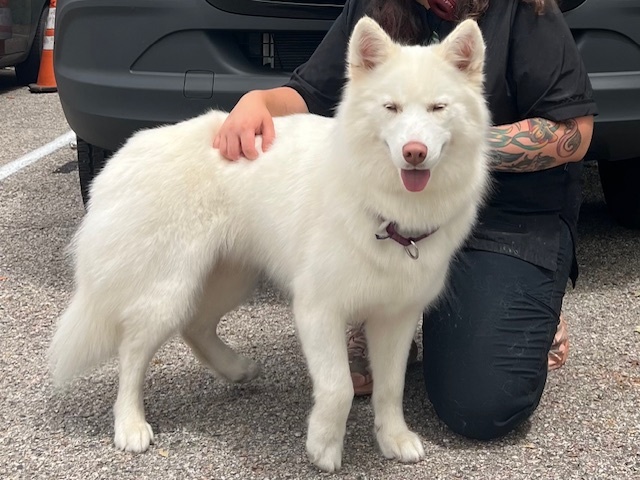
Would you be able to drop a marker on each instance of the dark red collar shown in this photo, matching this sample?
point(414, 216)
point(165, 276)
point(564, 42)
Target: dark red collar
point(409, 243)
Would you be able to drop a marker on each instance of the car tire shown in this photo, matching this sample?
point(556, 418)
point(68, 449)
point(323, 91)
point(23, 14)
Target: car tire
point(91, 159)
point(620, 183)
point(27, 71)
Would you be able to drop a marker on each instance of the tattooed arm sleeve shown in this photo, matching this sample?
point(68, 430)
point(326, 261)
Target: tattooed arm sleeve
point(538, 144)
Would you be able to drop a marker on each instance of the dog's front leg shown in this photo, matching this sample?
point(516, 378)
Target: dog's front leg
point(322, 335)
point(388, 342)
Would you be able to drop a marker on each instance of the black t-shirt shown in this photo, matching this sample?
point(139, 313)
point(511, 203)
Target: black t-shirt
point(532, 69)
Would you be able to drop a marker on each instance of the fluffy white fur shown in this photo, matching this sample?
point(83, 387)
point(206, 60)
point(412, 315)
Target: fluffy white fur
point(175, 236)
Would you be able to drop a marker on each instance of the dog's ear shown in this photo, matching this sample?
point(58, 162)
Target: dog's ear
point(369, 46)
point(464, 47)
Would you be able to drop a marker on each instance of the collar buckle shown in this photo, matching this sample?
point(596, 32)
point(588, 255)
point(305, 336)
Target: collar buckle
point(388, 230)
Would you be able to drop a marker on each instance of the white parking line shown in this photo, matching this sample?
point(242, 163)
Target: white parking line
point(36, 155)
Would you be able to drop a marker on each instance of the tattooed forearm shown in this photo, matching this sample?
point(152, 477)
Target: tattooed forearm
point(517, 162)
point(534, 144)
point(569, 143)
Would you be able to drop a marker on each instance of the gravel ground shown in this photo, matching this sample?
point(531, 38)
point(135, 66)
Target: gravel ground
point(587, 425)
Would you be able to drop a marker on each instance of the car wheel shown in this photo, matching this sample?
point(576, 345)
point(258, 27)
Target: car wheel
point(620, 184)
point(27, 71)
point(91, 159)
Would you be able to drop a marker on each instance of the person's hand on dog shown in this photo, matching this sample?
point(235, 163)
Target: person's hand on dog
point(237, 136)
point(253, 115)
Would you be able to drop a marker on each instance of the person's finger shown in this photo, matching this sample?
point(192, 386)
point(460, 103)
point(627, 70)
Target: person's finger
point(222, 147)
point(268, 134)
point(248, 144)
point(216, 141)
point(233, 147)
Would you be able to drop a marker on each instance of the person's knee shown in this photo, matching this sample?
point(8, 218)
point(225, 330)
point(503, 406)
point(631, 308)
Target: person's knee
point(485, 414)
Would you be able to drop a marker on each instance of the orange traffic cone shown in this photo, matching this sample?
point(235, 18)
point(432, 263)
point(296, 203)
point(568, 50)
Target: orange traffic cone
point(46, 80)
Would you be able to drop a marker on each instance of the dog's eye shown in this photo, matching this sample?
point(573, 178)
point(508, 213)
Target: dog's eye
point(437, 107)
point(392, 107)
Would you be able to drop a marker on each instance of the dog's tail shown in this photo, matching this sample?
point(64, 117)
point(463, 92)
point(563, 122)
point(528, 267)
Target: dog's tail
point(84, 338)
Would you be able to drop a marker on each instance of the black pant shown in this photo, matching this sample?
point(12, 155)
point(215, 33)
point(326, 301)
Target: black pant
point(486, 341)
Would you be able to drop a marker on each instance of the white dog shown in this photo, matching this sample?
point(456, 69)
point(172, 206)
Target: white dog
point(357, 216)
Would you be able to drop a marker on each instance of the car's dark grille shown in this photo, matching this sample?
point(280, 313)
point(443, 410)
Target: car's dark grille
point(280, 51)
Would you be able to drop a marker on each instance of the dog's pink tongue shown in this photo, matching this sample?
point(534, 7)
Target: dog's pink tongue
point(415, 180)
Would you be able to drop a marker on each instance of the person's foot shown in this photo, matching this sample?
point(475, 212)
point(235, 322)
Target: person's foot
point(359, 361)
point(560, 347)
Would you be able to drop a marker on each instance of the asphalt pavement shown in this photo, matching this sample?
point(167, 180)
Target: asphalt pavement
point(586, 427)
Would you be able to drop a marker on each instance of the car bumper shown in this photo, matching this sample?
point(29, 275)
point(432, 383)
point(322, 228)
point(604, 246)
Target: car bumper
point(617, 125)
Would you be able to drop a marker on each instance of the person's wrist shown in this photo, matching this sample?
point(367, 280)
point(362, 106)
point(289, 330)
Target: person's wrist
point(256, 96)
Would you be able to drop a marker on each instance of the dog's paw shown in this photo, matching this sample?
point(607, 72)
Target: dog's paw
point(242, 370)
point(405, 446)
point(133, 437)
point(326, 456)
